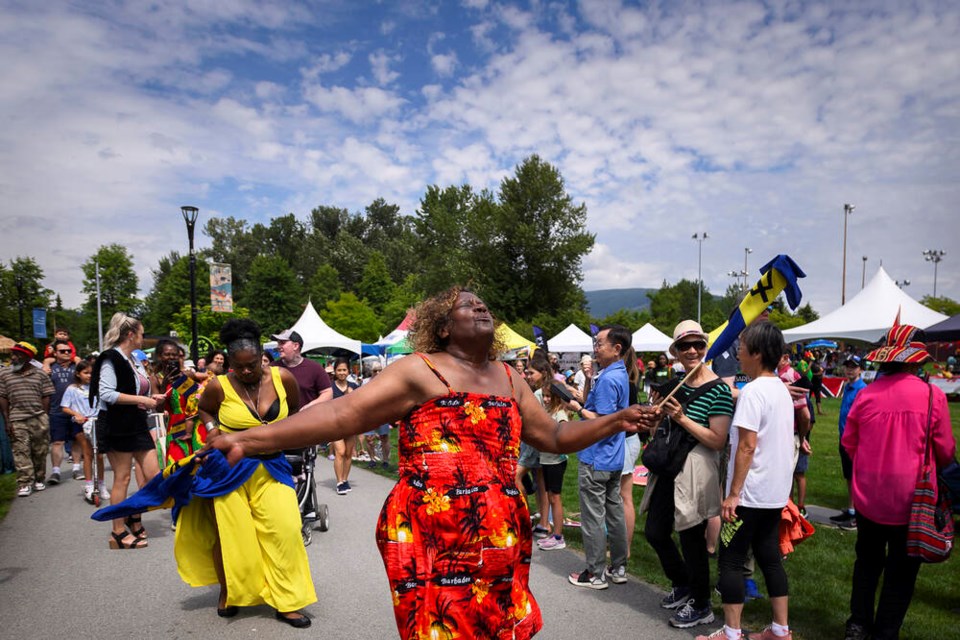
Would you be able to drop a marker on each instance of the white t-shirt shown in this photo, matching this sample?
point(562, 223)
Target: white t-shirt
point(764, 406)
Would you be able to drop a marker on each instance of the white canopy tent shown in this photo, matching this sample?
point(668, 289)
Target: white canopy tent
point(571, 340)
point(649, 338)
point(317, 335)
point(868, 315)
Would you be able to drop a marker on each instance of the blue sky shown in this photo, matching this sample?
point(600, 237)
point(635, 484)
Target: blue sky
point(753, 122)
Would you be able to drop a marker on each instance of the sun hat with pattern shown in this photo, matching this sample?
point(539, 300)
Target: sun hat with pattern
point(904, 343)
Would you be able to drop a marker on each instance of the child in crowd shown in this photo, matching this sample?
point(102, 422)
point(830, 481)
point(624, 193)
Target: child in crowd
point(75, 404)
point(553, 465)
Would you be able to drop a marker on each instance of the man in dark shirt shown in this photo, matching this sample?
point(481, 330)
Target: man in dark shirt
point(62, 427)
point(313, 380)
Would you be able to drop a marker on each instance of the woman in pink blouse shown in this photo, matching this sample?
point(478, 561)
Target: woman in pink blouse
point(886, 438)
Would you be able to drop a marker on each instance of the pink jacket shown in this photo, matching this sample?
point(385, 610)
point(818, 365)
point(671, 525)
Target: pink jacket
point(885, 439)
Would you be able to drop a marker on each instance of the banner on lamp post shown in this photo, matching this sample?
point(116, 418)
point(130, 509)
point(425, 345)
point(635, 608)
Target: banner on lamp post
point(221, 288)
point(39, 323)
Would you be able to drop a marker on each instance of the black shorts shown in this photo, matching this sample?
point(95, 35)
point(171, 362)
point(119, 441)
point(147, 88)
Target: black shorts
point(846, 464)
point(63, 428)
point(553, 476)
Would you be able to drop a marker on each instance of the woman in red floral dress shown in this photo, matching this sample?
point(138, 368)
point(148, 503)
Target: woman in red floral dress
point(454, 532)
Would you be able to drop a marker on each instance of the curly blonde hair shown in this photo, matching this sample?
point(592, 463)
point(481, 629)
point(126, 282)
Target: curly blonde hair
point(433, 314)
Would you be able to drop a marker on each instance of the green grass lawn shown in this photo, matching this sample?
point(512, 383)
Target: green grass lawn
point(8, 491)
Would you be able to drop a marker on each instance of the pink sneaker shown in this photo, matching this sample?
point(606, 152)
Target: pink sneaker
point(767, 634)
point(552, 542)
point(719, 634)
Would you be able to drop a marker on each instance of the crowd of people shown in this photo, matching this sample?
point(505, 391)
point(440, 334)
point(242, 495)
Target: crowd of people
point(477, 439)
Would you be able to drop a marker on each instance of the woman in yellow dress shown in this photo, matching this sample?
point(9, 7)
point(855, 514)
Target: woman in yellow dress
point(241, 528)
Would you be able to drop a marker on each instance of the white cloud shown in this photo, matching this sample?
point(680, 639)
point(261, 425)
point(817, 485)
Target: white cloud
point(380, 65)
point(444, 64)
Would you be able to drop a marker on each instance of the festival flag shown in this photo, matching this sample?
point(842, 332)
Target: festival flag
point(540, 338)
point(221, 287)
point(777, 276)
point(594, 330)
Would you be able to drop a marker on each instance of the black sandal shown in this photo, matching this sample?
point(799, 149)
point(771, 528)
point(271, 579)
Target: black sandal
point(118, 543)
point(134, 524)
point(300, 622)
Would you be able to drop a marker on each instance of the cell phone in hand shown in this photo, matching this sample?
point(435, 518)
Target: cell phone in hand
point(560, 391)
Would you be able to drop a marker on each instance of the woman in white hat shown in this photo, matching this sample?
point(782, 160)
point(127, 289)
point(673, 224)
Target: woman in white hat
point(703, 407)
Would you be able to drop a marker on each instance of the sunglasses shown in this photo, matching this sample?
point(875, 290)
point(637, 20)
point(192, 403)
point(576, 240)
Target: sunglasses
point(696, 344)
point(63, 350)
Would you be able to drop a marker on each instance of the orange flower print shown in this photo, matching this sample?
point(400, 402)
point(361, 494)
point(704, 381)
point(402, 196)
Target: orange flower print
point(475, 412)
point(436, 503)
point(480, 588)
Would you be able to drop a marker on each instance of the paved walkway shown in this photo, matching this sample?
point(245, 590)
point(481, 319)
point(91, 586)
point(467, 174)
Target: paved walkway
point(59, 579)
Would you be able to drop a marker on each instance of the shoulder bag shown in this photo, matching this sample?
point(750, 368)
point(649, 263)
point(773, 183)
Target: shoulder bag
point(930, 529)
point(667, 451)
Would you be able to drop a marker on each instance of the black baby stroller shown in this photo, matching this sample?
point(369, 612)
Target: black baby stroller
point(312, 513)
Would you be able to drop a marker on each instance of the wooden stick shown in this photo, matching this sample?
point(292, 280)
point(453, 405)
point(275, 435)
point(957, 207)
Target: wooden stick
point(677, 388)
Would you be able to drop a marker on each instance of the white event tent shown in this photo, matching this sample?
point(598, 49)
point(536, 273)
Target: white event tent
point(868, 315)
point(317, 335)
point(649, 338)
point(571, 340)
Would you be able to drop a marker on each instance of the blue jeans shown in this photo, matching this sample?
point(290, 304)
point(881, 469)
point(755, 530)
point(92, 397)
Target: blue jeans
point(6, 452)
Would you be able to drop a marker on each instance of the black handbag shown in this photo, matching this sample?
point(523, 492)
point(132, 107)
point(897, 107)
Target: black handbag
point(667, 451)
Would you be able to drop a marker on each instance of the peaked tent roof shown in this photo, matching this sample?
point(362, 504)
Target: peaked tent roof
point(317, 334)
point(573, 339)
point(511, 339)
point(868, 315)
point(399, 333)
point(947, 330)
point(649, 338)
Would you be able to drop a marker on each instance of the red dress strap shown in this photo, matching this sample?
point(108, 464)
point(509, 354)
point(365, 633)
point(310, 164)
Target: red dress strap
point(435, 372)
point(509, 377)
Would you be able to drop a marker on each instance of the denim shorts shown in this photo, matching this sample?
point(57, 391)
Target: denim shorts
point(631, 453)
point(529, 457)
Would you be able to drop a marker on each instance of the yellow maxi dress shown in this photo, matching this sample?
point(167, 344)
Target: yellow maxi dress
point(257, 523)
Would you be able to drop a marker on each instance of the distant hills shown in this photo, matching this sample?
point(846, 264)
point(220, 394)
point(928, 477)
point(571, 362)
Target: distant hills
point(603, 302)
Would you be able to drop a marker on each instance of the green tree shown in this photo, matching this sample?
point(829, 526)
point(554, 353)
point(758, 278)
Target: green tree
point(404, 297)
point(208, 323)
point(353, 318)
point(171, 288)
point(21, 289)
point(324, 286)
point(272, 294)
point(376, 287)
point(941, 304)
point(673, 303)
point(628, 318)
point(118, 282)
point(539, 237)
point(445, 242)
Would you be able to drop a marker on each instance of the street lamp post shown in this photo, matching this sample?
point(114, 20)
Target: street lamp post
point(934, 256)
point(863, 276)
point(18, 282)
point(737, 275)
point(699, 237)
point(746, 272)
point(902, 283)
point(190, 217)
point(847, 210)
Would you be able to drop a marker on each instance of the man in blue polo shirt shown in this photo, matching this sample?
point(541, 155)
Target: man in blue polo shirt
point(600, 467)
point(851, 370)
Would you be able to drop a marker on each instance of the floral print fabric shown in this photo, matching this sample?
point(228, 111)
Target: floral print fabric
point(454, 532)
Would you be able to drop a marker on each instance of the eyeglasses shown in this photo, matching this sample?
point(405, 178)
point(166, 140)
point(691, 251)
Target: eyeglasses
point(696, 344)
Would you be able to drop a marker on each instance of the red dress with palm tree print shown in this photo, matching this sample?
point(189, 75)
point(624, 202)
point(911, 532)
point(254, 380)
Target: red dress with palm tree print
point(454, 532)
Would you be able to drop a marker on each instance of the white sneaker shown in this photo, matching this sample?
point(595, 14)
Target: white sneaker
point(104, 492)
point(88, 494)
point(616, 576)
point(24, 491)
point(39, 486)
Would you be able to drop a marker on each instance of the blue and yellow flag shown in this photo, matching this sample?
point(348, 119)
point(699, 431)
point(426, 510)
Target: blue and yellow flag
point(777, 276)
